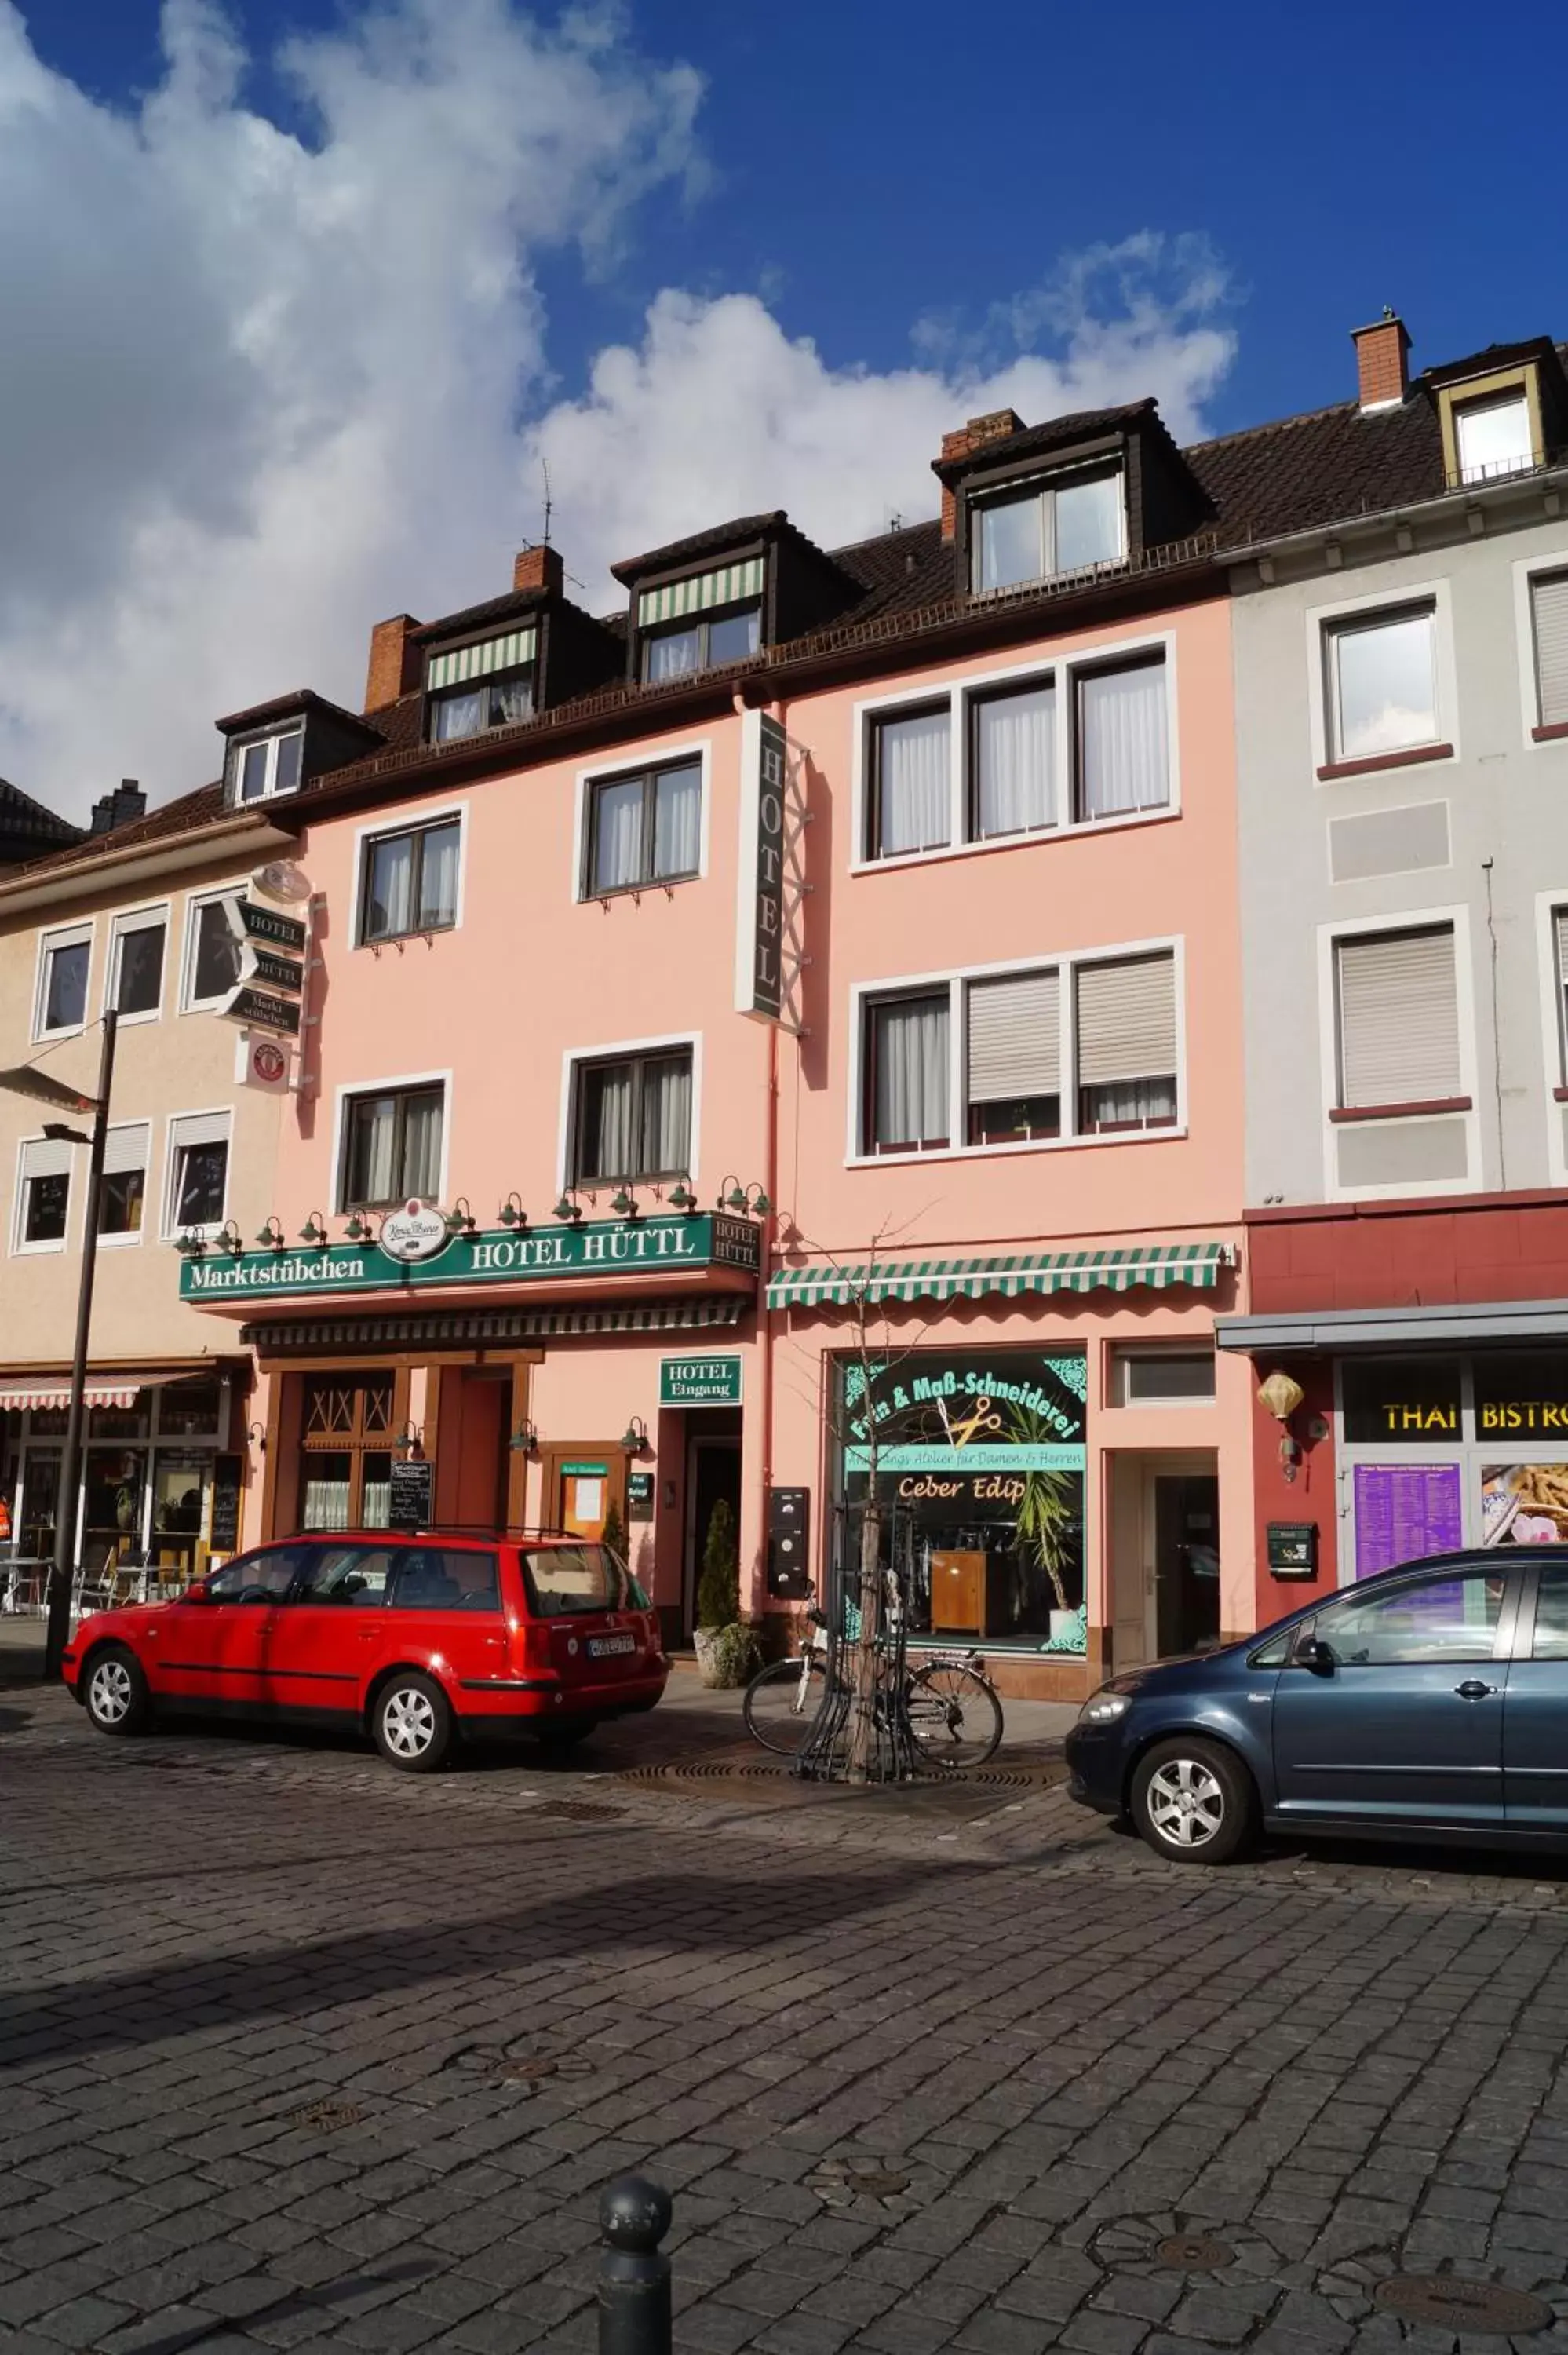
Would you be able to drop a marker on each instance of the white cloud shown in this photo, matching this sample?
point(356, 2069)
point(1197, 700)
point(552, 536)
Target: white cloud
point(260, 389)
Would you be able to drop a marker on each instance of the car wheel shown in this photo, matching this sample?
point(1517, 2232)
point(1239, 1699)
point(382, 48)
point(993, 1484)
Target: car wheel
point(117, 1698)
point(1193, 1802)
point(412, 1722)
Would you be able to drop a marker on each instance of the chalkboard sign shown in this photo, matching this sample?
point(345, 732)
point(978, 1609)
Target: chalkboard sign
point(227, 1482)
point(412, 1485)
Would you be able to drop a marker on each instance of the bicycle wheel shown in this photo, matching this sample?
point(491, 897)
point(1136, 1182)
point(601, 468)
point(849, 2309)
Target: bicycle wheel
point(954, 1716)
point(781, 1703)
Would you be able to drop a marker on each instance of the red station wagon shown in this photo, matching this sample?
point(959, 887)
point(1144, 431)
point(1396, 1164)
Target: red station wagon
point(411, 1639)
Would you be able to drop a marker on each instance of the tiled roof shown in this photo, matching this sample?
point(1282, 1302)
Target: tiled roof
point(283, 707)
point(24, 819)
point(474, 617)
point(702, 543)
point(1330, 466)
point(182, 815)
point(1056, 433)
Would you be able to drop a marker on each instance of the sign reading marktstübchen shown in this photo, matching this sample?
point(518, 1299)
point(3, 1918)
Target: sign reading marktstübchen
point(700, 1381)
point(670, 1247)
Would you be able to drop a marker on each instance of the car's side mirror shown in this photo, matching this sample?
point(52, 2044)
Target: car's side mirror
point(1310, 1653)
point(200, 1593)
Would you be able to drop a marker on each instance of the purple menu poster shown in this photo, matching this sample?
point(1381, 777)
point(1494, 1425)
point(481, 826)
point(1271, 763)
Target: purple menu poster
point(1406, 1512)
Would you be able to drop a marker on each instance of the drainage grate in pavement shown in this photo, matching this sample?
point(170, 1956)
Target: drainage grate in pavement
point(840, 2182)
point(327, 2118)
point(579, 1811)
point(1193, 2252)
point(518, 2069)
point(1450, 2302)
point(777, 1769)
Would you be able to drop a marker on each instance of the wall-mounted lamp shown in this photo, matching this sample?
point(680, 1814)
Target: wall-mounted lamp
point(409, 1439)
point(524, 1440)
point(314, 1228)
point(230, 1239)
point(1280, 1395)
point(256, 1433)
point(511, 1213)
point(743, 1199)
point(271, 1237)
point(358, 1229)
point(681, 1197)
point(569, 1208)
point(634, 1439)
point(191, 1245)
point(460, 1219)
point(625, 1204)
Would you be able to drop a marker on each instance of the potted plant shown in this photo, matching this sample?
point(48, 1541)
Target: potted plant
point(727, 1650)
point(613, 1536)
point(1047, 1511)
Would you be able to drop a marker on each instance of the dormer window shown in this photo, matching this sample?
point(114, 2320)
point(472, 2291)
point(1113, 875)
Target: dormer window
point(1046, 528)
point(699, 622)
point(490, 685)
point(1493, 436)
point(263, 767)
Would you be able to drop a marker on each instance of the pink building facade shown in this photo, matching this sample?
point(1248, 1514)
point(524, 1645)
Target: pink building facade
point(813, 1001)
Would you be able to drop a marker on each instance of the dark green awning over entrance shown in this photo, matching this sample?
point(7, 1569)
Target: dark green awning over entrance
point(1155, 1266)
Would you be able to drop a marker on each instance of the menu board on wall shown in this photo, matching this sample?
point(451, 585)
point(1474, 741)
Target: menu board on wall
point(228, 1477)
point(1406, 1512)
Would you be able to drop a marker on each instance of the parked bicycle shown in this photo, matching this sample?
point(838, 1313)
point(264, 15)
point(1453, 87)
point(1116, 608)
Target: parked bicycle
point(954, 1711)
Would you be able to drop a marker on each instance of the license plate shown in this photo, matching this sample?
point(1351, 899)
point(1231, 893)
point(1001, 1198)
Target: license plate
point(600, 1647)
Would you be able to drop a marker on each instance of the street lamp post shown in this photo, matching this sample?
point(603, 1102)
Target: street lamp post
point(28, 1080)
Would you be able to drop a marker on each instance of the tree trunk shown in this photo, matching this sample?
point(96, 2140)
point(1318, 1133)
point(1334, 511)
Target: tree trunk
point(862, 1718)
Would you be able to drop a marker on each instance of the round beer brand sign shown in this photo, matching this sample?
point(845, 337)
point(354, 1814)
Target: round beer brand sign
point(417, 1231)
point(269, 1063)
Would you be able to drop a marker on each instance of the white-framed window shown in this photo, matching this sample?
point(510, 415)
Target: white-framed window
point(123, 1198)
point(1549, 648)
point(43, 1194)
point(1493, 435)
point(411, 878)
point(392, 1144)
point(263, 768)
point(643, 827)
point(195, 1194)
point(630, 1117)
point(1087, 742)
point(1035, 531)
point(1559, 922)
point(211, 962)
point(137, 948)
point(1180, 1375)
point(65, 957)
point(996, 1060)
point(1381, 684)
point(701, 645)
point(490, 684)
point(1398, 1020)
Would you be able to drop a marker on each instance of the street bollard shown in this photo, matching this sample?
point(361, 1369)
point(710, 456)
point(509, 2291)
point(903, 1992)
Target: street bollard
point(634, 2271)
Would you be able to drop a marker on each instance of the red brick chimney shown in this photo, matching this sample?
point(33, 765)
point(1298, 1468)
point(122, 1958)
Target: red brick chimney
point(993, 427)
point(539, 568)
point(1383, 351)
point(394, 663)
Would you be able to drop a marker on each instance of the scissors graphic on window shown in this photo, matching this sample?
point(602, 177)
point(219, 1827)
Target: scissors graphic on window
point(982, 1419)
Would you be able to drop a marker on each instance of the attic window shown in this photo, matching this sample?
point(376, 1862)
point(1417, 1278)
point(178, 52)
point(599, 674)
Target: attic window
point(1048, 529)
point(260, 768)
point(489, 684)
point(1493, 436)
point(696, 623)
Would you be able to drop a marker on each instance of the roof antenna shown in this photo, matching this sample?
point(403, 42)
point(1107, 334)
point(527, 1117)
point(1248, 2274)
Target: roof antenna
point(544, 469)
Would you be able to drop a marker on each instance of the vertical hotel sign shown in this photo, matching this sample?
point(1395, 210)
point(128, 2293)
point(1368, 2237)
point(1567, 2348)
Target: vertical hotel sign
point(759, 942)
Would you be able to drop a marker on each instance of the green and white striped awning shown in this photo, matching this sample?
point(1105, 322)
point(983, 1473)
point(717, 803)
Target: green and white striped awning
point(1155, 1266)
point(509, 652)
point(725, 587)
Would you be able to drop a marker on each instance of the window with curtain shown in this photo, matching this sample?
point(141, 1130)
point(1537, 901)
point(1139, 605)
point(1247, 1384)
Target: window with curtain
point(1127, 1043)
point(410, 881)
point(1048, 529)
point(908, 1072)
point(1398, 1004)
point(633, 1118)
point(494, 702)
point(644, 830)
point(1123, 753)
point(1013, 1056)
point(1549, 617)
point(911, 788)
point(701, 645)
point(1381, 684)
point(392, 1147)
point(1012, 750)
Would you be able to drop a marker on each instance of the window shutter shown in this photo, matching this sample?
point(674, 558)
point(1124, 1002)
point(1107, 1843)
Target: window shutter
point(1549, 598)
point(1015, 1037)
point(1126, 1020)
point(46, 1156)
point(1559, 927)
point(126, 1150)
point(199, 1128)
point(1399, 1018)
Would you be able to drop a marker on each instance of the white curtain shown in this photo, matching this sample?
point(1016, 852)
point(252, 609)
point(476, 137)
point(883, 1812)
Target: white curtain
point(607, 1122)
point(1132, 1104)
point(1121, 719)
point(677, 822)
point(618, 835)
point(667, 1116)
point(375, 1132)
point(325, 1502)
point(461, 715)
point(910, 1084)
point(913, 783)
point(439, 876)
point(672, 656)
point(1016, 746)
point(391, 907)
point(376, 1506)
point(422, 1146)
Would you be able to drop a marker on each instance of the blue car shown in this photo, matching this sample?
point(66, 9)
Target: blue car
point(1431, 1701)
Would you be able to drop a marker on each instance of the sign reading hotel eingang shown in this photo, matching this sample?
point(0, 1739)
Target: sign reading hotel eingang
point(657, 1246)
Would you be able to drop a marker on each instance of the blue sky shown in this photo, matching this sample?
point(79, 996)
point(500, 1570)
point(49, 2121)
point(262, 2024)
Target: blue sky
point(303, 301)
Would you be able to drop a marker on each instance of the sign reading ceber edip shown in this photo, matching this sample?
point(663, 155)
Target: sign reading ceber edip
point(699, 1382)
point(418, 1232)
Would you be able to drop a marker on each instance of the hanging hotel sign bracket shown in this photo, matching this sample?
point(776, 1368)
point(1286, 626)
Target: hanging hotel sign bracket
point(770, 913)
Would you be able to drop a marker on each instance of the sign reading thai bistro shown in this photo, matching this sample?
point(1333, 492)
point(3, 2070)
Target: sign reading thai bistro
point(654, 1246)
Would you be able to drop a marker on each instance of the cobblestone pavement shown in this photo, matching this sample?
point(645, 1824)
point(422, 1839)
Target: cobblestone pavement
point(294, 2049)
